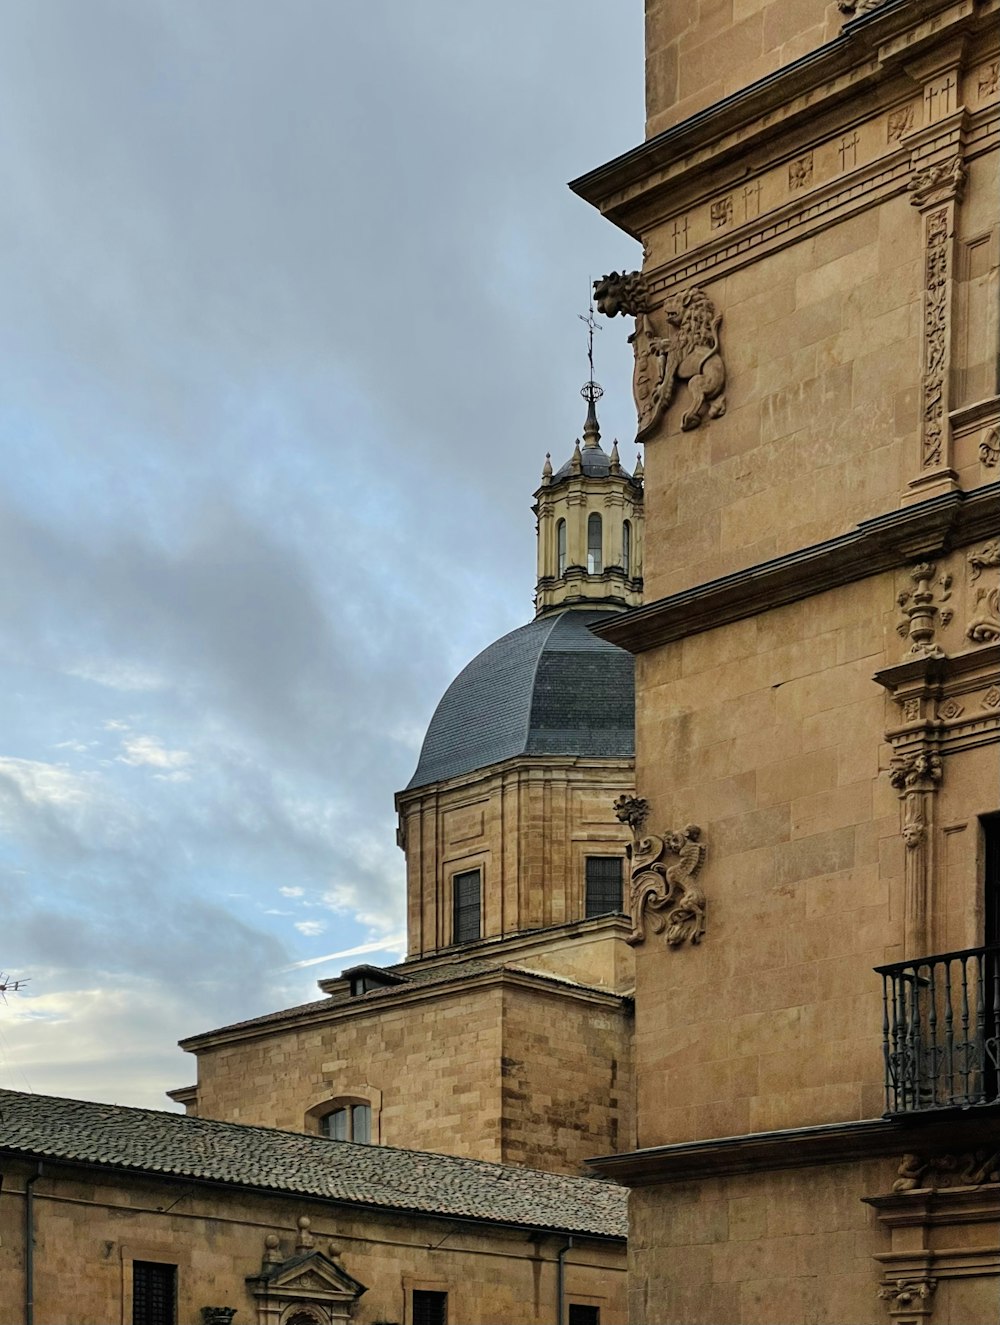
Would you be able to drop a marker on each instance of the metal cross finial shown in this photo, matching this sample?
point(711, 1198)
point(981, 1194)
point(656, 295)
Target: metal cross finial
point(591, 390)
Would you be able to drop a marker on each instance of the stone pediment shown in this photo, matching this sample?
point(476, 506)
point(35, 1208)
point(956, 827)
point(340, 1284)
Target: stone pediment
point(309, 1277)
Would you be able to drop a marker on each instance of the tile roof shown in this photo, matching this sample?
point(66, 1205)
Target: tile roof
point(415, 1181)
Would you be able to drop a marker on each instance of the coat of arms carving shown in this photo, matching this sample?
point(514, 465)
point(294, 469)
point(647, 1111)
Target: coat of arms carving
point(662, 895)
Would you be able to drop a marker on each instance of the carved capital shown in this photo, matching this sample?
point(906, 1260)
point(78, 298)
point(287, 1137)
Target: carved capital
point(662, 895)
point(943, 182)
point(909, 1297)
point(920, 771)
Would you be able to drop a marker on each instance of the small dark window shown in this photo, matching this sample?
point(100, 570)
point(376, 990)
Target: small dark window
point(595, 562)
point(627, 548)
point(604, 885)
point(351, 1122)
point(429, 1308)
point(582, 1314)
point(991, 833)
point(561, 547)
point(467, 906)
point(154, 1293)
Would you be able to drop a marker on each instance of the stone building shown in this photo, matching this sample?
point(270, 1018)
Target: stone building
point(506, 1033)
point(816, 877)
point(300, 1190)
point(133, 1215)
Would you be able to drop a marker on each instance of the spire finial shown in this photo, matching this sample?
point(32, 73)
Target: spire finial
point(591, 391)
point(547, 467)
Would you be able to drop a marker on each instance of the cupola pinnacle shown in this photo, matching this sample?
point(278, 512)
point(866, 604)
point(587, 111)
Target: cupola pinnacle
point(589, 519)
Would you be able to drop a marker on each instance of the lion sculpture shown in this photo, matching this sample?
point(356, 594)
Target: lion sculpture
point(687, 349)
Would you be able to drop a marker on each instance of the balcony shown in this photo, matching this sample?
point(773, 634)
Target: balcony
point(941, 1032)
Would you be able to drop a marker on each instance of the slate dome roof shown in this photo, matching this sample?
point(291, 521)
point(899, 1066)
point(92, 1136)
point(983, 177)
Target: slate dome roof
point(548, 688)
point(595, 463)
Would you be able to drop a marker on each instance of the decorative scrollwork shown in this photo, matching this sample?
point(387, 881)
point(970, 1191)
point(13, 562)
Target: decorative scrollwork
point(663, 896)
point(970, 1168)
point(984, 626)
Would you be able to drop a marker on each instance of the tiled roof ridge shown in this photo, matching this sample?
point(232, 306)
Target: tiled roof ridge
point(156, 1142)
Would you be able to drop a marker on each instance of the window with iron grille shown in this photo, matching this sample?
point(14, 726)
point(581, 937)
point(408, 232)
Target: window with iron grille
point(429, 1308)
point(581, 1313)
point(466, 904)
point(604, 885)
point(154, 1293)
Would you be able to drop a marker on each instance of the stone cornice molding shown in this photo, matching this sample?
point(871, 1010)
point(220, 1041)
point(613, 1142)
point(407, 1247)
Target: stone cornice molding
point(798, 1147)
point(883, 543)
point(892, 38)
point(433, 991)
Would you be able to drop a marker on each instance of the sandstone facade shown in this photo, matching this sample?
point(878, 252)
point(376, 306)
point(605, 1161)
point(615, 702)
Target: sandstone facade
point(818, 660)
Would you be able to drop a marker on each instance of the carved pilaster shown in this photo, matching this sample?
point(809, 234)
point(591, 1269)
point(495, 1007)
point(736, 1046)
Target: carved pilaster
point(662, 896)
point(916, 777)
point(936, 189)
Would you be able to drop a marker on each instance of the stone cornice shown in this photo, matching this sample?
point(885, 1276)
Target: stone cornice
point(856, 63)
point(797, 1147)
point(312, 1014)
point(876, 545)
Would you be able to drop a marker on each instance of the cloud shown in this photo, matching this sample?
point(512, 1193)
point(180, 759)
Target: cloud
point(145, 752)
point(392, 943)
point(310, 928)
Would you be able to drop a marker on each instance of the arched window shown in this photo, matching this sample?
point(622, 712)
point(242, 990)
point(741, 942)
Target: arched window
point(627, 548)
point(594, 562)
point(348, 1122)
point(561, 547)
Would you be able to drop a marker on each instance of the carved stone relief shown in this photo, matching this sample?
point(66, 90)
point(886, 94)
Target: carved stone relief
point(721, 212)
point(903, 1295)
point(900, 122)
point(936, 284)
point(663, 896)
point(984, 626)
point(676, 343)
point(800, 171)
point(991, 700)
point(989, 79)
point(989, 447)
point(922, 610)
point(970, 1168)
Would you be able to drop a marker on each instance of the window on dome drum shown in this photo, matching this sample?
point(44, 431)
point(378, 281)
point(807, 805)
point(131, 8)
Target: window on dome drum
point(154, 1293)
point(581, 1313)
point(466, 892)
point(594, 563)
point(627, 548)
point(429, 1308)
point(561, 547)
point(604, 885)
point(349, 1122)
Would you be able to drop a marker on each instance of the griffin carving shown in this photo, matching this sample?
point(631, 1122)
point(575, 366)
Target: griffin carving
point(664, 896)
point(677, 343)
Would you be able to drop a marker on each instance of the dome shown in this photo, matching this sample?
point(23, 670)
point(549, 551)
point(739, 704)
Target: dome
point(594, 463)
point(549, 688)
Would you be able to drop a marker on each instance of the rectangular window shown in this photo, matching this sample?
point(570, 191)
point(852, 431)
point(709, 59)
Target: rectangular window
point(466, 899)
point(154, 1293)
point(604, 885)
point(991, 833)
point(583, 1314)
point(429, 1308)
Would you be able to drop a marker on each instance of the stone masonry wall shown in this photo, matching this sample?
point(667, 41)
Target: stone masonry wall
point(90, 1227)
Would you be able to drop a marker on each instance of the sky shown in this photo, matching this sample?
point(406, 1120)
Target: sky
point(289, 321)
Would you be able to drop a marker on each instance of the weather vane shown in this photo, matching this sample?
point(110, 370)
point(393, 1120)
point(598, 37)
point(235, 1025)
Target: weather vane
point(591, 390)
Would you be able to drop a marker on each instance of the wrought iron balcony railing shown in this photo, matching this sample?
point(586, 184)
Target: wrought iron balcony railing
point(941, 1031)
